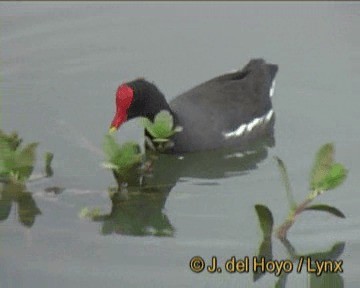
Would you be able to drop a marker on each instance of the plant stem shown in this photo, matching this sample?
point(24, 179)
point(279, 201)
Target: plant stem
point(281, 232)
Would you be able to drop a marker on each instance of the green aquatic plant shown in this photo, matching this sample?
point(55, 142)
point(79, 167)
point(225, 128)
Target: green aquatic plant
point(90, 213)
point(161, 129)
point(298, 260)
point(13, 140)
point(48, 159)
point(17, 161)
point(121, 159)
point(266, 221)
point(325, 175)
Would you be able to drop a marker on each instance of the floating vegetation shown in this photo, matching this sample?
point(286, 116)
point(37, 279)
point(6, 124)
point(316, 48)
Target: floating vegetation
point(160, 130)
point(91, 213)
point(17, 161)
point(121, 159)
point(126, 159)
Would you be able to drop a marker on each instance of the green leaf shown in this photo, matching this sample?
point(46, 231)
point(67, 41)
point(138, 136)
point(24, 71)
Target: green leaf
point(323, 161)
point(145, 122)
point(25, 161)
point(12, 140)
point(178, 129)
point(265, 250)
point(160, 140)
point(266, 219)
point(149, 126)
point(48, 159)
point(7, 156)
point(16, 163)
point(281, 283)
point(326, 208)
point(334, 178)
point(123, 157)
point(333, 253)
point(165, 120)
point(6, 161)
point(266, 224)
point(89, 213)
point(109, 165)
point(286, 181)
point(27, 154)
point(326, 174)
point(110, 147)
point(162, 127)
point(160, 131)
point(325, 280)
point(129, 155)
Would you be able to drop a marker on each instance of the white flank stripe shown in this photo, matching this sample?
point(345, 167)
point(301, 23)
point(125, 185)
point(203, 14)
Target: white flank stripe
point(235, 155)
point(253, 123)
point(244, 128)
point(272, 89)
point(232, 71)
point(269, 115)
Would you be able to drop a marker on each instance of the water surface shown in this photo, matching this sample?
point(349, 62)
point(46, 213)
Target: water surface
point(60, 66)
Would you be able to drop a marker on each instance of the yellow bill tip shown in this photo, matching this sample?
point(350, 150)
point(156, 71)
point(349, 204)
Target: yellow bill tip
point(112, 130)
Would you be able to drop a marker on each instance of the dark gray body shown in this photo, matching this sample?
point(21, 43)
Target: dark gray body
point(221, 105)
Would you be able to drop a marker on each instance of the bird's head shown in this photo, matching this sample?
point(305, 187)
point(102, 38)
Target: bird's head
point(123, 99)
point(137, 98)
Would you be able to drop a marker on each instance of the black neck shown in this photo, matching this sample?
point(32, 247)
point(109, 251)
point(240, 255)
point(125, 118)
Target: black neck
point(148, 100)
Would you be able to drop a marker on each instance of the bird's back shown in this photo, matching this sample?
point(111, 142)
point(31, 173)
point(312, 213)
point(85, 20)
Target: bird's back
point(212, 112)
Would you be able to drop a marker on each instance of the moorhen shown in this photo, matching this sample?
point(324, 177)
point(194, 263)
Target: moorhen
point(230, 110)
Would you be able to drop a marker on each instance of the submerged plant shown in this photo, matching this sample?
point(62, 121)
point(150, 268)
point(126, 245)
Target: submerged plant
point(160, 130)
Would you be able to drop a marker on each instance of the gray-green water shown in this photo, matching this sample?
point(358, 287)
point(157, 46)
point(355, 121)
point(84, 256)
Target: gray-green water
point(60, 66)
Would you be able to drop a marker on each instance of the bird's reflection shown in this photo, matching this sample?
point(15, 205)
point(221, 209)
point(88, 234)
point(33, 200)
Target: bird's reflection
point(136, 214)
point(138, 208)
